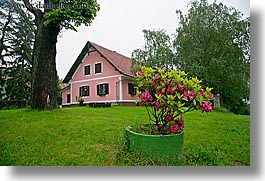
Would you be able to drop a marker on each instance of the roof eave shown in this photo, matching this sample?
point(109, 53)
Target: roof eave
point(79, 59)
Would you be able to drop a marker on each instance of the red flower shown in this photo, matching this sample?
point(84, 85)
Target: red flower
point(180, 122)
point(157, 105)
point(146, 96)
point(188, 94)
point(140, 73)
point(202, 92)
point(180, 88)
point(169, 118)
point(207, 107)
point(174, 128)
point(211, 95)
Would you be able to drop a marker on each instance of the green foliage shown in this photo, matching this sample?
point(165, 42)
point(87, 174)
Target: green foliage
point(168, 95)
point(213, 42)
point(73, 13)
point(241, 107)
point(59, 91)
point(17, 86)
point(50, 19)
point(17, 37)
point(156, 52)
point(91, 137)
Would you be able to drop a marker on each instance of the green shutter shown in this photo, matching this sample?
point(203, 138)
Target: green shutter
point(80, 91)
point(130, 88)
point(107, 88)
point(68, 100)
point(98, 90)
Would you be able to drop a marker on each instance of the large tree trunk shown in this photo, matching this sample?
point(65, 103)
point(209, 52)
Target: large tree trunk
point(44, 83)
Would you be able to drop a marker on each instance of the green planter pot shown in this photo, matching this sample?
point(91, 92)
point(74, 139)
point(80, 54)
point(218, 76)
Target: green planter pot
point(157, 146)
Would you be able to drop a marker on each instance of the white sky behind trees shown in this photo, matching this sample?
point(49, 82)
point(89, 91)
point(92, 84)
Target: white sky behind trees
point(119, 24)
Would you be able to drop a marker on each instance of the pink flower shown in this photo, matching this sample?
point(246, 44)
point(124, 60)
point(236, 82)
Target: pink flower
point(154, 82)
point(169, 89)
point(202, 92)
point(180, 122)
point(185, 94)
point(157, 105)
point(169, 118)
point(191, 95)
point(161, 93)
point(140, 73)
point(174, 128)
point(207, 107)
point(211, 95)
point(180, 88)
point(146, 96)
point(188, 94)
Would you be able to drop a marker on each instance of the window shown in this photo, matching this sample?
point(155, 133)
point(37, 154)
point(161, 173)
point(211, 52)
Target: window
point(98, 68)
point(131, 89)
point(68, 98)
point(103, 89)
point(84, 91)
point(87, 70)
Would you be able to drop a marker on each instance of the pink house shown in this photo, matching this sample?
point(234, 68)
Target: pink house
point(99, 75)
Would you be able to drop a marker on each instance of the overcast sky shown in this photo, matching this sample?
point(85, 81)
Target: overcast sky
point(119, 24)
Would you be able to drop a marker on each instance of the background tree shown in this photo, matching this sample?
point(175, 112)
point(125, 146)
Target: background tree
point(59, 90)
point(49, 21)
point(157, 51)
point(16, 43)
point(212, 42)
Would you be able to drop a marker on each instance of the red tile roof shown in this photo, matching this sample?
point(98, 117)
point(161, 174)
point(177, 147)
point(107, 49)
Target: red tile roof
point(120, 62)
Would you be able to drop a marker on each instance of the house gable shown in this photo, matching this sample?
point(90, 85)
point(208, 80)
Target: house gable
point(76, 64)
point(98, 75)
point(98, 65)
point(119, 62)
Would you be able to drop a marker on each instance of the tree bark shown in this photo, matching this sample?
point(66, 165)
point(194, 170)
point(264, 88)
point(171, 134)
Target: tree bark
point(44, 83)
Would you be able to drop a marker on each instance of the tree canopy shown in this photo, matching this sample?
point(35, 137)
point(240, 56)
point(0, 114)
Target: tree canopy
point(50, 17)
point(66, 13)
point(157, 51)
point(213, 43)
point(17, 38)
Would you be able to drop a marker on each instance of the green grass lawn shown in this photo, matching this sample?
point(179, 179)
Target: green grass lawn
point(95, 136)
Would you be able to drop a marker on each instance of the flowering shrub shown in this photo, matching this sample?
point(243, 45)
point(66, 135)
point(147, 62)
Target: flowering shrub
point(167, 95)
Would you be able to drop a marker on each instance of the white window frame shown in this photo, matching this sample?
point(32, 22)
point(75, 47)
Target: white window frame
point(88, 91)
point(101, 84)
